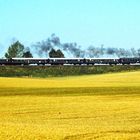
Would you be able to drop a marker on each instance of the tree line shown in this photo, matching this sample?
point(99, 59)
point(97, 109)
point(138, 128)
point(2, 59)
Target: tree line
point(17, 50)
point(52, 47)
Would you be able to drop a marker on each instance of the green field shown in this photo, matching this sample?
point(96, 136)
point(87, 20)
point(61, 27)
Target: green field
point(104, 107)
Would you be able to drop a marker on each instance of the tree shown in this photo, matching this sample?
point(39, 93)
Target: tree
point(15, 50)
point(59, 54)
point(52, 53)
point(27, 54)
point(18, 50)
point(56, 53)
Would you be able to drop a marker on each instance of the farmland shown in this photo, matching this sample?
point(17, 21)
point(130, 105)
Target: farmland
point(71, 108)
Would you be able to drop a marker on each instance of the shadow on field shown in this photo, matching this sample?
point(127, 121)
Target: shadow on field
point(77, 91)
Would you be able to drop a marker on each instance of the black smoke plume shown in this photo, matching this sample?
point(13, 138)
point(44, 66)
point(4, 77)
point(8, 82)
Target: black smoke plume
point(74, 50)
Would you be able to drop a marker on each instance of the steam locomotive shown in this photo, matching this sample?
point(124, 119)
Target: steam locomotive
point(70, 61)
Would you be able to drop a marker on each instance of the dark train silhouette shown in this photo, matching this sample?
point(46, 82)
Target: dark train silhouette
point(70, 61)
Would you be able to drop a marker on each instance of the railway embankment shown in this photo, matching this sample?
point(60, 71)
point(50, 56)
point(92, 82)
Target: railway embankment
point(59, 71)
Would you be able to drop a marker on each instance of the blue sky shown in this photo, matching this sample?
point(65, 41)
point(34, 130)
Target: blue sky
point(114, 23)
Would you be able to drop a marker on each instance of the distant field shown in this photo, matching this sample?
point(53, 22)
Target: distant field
point(103, 107)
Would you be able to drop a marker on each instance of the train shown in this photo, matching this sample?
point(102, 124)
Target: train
point(69, 61)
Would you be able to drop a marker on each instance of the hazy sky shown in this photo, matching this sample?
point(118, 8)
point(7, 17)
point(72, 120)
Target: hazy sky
point(114, 23)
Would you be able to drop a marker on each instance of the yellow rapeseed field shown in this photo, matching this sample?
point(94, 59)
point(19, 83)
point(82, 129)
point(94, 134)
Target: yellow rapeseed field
point(101, 107)
point(106, 80)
